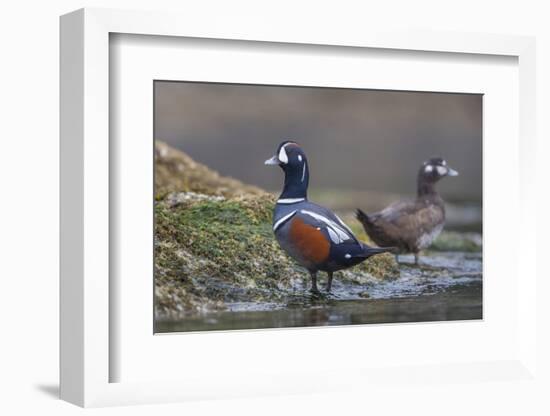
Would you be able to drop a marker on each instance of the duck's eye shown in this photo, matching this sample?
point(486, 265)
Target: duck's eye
point(300, 158)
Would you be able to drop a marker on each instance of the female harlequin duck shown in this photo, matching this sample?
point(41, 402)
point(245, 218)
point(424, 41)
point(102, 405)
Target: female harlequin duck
point(411, 226)
point(313, 235)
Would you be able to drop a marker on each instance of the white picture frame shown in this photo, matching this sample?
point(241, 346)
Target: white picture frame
point(86, 330)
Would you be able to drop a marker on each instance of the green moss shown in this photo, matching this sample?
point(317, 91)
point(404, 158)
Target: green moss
point(212, 252)
point(232, 236)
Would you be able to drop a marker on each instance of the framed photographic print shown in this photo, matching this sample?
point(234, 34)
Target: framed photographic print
point(236, 252)
point(238, 207)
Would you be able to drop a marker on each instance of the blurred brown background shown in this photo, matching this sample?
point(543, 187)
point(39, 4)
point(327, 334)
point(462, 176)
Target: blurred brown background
point(356, 140)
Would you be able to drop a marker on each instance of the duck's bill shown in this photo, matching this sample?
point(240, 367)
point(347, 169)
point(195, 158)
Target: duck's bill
point(452, 172)
point(273, 161)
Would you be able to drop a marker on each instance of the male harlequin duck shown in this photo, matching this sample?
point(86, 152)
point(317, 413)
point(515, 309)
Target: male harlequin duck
point(312, 235)
point(411, 226)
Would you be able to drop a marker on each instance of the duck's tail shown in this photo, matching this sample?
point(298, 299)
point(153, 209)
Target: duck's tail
point(364, 219)
point(372, 251)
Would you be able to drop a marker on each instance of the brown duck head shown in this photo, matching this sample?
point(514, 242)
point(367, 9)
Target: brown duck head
point(431, 172)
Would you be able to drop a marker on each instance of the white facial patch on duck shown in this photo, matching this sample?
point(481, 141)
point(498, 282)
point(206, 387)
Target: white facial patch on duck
point(336, 233)
point(428, 168)
point(441, 170)
point(283, 157)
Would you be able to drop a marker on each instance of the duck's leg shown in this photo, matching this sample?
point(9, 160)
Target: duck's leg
point(314, 288)
point(416, 259)
point(329, 282)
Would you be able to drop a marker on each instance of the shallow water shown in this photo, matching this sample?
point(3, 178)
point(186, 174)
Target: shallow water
point(446, 286)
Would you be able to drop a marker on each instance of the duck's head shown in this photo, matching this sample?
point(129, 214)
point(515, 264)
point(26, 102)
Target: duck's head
point(289, 156)
point(432, 171)
point(436, 168)
point(292, 159)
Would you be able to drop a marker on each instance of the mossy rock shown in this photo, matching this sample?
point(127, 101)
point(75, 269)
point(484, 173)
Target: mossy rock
point(212, 250)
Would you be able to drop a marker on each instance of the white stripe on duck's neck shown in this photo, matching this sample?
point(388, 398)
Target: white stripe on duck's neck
point(290, 200)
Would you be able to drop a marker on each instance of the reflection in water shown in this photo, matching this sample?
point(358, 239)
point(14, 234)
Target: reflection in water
point(461, 303)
